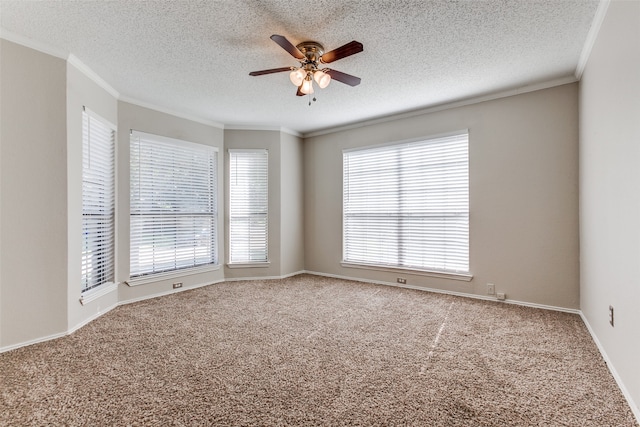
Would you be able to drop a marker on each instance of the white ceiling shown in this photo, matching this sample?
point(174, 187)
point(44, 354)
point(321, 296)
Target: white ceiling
point(194, 57)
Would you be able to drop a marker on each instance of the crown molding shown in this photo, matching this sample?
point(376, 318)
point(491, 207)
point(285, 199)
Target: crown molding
point(447, 106)
point(59, 53)
point(291, 132)
point(174, 113)
point(33, 44)
point(592, 35)
point(263, 128)
point(88, 72)
point(76, 62)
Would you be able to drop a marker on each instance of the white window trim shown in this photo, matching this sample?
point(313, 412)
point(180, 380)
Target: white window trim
point(101, 119)
point(464, 277)
point(157, 277)
point(257, 264)
point(407, 141)
point(97, 292)
point(244, 263)
point(87, 296)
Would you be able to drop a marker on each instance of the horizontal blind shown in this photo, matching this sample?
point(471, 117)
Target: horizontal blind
point(248, 206)
point(98, 202)
point(407, 205)
point(173, 204)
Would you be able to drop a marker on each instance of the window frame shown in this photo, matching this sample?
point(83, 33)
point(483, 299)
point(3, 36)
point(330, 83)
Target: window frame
point(89, 118)
point(247, 262)
point(398, 268)
point(144, 275)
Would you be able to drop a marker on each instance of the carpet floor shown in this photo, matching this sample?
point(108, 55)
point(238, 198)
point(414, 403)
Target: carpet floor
point(311, 350)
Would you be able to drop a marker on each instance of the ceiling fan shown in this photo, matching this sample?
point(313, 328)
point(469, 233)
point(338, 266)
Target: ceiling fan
point(311, 55)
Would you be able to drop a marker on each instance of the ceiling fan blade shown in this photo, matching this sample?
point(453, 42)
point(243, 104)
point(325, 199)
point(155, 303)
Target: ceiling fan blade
point(345, 78)
point(348, 49)
point(270, 71)
point(299, 92)
point(286, 45)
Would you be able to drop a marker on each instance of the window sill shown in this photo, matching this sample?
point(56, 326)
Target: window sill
point(95, 293)
point(261, 264)
point(465, 277)
point(151, 278)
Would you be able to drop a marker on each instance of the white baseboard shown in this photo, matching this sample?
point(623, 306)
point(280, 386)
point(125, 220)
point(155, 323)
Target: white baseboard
point(441, 291)
point(33, 341)
point(612, 369)
point(239, 279)
point(61, 334)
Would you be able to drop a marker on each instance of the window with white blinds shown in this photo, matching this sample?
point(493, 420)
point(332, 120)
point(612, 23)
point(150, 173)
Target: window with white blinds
point(98, 202)
point(407, 205)
point(173, 204)
point(248, 206)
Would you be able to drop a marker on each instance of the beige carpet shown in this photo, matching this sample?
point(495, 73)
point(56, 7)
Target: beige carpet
point(315, 351)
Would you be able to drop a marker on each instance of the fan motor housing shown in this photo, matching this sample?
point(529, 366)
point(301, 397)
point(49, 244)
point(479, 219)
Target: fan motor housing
point(311, 50)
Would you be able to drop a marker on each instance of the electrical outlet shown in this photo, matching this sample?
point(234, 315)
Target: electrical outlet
point(402, 280)
point(501, 296)
point(177, 285)
point(611, 315)
point(491, 289)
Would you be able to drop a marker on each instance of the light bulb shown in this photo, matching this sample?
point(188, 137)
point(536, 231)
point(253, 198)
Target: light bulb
point(297, 76)
point(307, 86)
point(323, 79)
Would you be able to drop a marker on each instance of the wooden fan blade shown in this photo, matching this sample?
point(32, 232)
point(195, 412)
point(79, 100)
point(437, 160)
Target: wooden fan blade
point(299, 92)
point(270, 71)
point(348, 49)
point(286, 45)
point(345, 78)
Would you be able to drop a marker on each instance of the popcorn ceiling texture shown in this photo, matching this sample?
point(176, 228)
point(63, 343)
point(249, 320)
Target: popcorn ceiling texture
point(195, 56)
point(309, 350)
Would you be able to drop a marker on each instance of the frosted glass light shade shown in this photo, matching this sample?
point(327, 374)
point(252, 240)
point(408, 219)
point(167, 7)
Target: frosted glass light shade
point(323, 79)
point(297, 76)
point(307, 87)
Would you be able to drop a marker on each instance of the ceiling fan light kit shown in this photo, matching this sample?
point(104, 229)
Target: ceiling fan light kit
point(307, 86)
point(323, 79)
point(297, 76)
point(311, 54)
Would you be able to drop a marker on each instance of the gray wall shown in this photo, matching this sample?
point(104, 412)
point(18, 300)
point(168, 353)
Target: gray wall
point(33, 195)
point(523, 154)
point(610, 191)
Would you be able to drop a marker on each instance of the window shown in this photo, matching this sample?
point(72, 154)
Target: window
point(98, 201)
point(407, 205)
point(173, 204)
point(248, 206)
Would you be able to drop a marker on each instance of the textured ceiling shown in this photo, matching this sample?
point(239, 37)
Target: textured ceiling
point(194, 57)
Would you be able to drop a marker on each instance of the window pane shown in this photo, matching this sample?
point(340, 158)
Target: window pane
point(407, 205)
point(173, 204)
point(248, 206)
point(98, 202)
